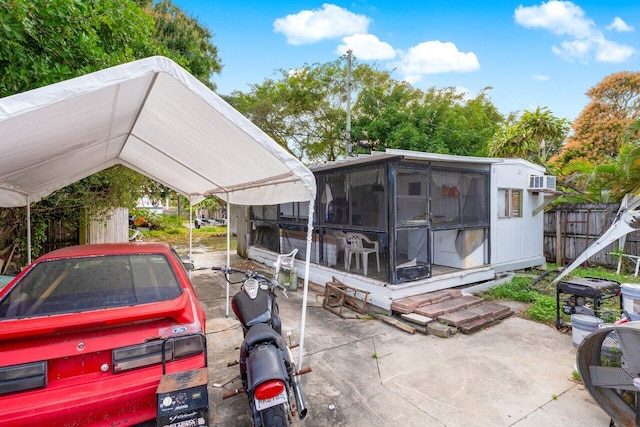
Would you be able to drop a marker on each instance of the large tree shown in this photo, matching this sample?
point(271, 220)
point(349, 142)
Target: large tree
point(305, 111)
point(393, 114)
point(302, 110)
point(599, 129)
point(185, 38)
point(47, 41)
point(612, 177)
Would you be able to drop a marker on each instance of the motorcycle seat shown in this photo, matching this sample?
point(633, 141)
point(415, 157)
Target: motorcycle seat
point(261, 333)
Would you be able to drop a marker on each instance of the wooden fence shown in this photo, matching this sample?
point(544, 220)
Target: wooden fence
point(570, 229)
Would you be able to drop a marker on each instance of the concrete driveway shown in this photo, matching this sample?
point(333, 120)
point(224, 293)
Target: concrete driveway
point(368, 373)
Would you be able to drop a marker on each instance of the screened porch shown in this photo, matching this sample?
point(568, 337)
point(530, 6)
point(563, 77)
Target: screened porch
point(390, 220)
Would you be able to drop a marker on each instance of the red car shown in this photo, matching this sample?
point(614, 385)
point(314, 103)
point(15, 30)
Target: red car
point(82, 331)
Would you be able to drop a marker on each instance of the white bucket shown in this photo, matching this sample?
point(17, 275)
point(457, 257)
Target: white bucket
point(631, 300)
point(582, 325)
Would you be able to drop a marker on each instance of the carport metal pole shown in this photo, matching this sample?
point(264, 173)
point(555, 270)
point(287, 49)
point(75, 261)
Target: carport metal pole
point(190, 228)
point(228, 255)
point(303, 318)
point(28, 231)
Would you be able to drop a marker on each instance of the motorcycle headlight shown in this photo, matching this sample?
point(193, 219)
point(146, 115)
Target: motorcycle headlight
point(251, 288)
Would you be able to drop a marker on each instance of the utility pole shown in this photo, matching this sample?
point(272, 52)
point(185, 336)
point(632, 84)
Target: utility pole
point(348, 130)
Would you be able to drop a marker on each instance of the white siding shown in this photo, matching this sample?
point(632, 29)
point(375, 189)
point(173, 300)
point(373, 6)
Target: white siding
point(516, 242)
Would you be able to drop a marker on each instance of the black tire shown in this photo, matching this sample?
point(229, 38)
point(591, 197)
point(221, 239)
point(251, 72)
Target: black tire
point(276, 416)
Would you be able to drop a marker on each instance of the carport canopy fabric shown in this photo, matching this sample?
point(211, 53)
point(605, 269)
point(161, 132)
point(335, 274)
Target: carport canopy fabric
point(151, 116)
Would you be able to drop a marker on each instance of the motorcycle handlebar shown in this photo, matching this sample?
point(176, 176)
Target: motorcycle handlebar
point(251, 274)
point(247, 273)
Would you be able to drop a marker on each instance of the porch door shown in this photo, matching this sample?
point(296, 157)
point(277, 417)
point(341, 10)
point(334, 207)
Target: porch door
point(412, 231)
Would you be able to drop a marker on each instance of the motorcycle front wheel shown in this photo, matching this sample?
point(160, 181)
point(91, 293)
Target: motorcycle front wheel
point(276, 416)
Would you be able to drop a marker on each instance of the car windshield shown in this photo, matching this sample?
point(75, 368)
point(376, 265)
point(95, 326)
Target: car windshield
point(92, 283)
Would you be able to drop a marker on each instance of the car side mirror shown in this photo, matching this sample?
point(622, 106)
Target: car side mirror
point(188, 266)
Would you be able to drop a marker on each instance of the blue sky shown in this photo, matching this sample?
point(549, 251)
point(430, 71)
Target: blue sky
point(531, 53)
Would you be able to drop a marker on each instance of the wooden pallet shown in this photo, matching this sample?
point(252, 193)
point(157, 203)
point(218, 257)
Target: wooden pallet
point(338, 296)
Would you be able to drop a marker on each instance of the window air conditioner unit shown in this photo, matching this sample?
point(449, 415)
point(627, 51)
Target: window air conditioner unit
point(545, 183)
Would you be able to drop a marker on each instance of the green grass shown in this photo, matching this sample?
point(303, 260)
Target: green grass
point(626, 275)
point(576, 376)
point(211, 238)
point(175, 231)
point(542, 308)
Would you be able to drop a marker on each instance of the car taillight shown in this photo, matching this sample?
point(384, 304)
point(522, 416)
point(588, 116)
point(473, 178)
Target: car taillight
point(269, 389)
point(187, 346)
point(28, 376)
point(138, 356)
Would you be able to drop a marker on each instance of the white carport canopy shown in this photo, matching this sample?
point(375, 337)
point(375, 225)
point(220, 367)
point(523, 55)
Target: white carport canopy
point(155, 118)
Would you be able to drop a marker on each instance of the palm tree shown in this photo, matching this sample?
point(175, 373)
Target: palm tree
point(536, 136)
point(544, 132)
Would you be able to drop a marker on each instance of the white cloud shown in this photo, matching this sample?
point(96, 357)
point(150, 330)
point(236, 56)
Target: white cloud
point(619, 25)
point(329, 22)
point(574, 49)
point(600, 48)
point(559, 17)
point(540, 77)
point(435, 57)
point(366, 47)
point(608, 51)
point(583, 38)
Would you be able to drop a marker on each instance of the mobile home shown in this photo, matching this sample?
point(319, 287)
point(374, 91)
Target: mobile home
point(401, 223)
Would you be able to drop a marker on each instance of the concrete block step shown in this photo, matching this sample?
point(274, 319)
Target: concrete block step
point(489, 310)
point(404, 305)
point(437, 296)
point(416, 318)
point(409, 304)
point(437, 309)
point(467, 313)
point(483, 322)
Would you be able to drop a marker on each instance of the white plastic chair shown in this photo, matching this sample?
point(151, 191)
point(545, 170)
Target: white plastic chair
point(357, 246)
point(284, 260)
point(135, 235)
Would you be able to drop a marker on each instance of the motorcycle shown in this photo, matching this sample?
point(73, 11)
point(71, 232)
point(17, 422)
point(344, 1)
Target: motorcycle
point(269, 375)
